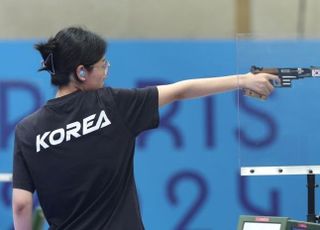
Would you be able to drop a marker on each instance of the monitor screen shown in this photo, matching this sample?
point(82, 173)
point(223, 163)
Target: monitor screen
point(261, 226)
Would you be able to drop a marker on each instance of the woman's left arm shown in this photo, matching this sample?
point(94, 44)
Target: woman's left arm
point(22, 202)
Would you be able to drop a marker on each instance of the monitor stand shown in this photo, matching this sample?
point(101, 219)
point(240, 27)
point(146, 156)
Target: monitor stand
point(311, 185)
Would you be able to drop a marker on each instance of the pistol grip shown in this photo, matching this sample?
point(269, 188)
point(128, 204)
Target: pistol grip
point(250, 93)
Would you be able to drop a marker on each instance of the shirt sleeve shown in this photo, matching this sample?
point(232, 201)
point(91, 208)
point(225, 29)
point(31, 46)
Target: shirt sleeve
point(138, 108)
point(21, 174)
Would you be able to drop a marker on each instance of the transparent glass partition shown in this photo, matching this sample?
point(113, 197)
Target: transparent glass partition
point(280, 135)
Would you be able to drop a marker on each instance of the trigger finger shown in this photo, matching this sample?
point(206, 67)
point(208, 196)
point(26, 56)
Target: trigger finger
point(274, 79)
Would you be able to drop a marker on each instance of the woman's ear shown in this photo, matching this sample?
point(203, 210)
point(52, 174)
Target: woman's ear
point(81, 73)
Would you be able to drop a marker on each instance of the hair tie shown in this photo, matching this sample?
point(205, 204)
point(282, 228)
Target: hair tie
point(48, 64)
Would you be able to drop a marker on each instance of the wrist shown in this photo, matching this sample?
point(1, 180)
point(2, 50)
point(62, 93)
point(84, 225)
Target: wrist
point(242, 78)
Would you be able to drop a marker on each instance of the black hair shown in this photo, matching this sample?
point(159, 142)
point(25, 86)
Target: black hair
point(71, 47)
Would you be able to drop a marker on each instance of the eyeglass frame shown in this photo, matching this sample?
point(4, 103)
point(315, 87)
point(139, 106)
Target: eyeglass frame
point(106, 65)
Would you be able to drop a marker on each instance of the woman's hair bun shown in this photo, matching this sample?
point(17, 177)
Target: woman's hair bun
point(47, 50)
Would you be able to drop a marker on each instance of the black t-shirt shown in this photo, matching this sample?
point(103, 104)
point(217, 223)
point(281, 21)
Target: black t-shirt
point(77, 153)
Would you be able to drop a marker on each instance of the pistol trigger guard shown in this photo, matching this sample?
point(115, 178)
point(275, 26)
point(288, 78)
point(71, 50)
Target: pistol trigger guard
point(276, 83)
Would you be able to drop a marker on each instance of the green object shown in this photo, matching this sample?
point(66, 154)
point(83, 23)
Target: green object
point(300, 225)
point(38, 220)
point(262, 222)
point(274, 223)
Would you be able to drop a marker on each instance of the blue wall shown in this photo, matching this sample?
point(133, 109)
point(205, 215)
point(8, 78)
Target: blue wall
point(187, 171)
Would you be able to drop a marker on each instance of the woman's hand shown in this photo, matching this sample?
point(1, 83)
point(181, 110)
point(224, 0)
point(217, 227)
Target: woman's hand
point(259, 83)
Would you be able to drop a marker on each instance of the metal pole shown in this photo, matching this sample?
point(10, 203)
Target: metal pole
point(301, 18)
point(311, 217)
point(243, 16)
